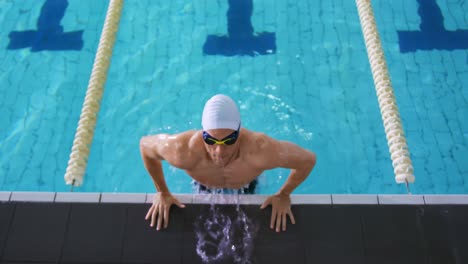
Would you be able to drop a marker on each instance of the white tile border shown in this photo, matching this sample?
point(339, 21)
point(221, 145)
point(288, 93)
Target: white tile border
point(445, 199)
point(354, 199)
point(183, 198)
point(32, 196)
point(123, 197)
point(250, 199)
point(388, 199)
point(311, 199)
point(149, 198)
point(72, 197)
point(5, 196)
point(247, 199)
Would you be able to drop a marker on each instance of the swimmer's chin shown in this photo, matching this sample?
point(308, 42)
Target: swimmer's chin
point(219, 162)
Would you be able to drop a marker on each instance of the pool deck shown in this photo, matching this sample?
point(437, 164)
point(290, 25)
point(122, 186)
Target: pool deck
point(110, 228)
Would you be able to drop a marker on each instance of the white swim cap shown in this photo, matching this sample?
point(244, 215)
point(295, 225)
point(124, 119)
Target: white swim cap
point(220, 112)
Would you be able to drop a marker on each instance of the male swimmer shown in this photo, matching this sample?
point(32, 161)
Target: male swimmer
point(224, 155)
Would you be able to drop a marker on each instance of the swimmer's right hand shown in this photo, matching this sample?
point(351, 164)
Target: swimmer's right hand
point(162, 202)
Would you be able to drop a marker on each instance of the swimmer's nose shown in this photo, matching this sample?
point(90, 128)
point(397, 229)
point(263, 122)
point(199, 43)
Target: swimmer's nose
point(219, 149)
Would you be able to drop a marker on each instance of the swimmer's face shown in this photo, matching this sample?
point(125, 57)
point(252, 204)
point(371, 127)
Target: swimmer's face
point(221, 154)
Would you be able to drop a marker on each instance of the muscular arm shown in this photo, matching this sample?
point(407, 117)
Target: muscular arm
point(175, 149)
point(299, 160)
point(150, 146)
point(285, 154)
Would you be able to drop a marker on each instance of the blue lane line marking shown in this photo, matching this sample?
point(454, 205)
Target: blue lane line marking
point(432, 34)
point(241, 39)
point(49, 34)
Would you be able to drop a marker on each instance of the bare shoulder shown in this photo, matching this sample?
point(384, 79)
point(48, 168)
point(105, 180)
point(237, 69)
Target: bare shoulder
point(266, 152)
point(258, 148)
point(257, 142)
point(177, 149)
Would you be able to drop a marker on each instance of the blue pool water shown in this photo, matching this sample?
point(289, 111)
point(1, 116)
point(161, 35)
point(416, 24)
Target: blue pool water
point(303, 76)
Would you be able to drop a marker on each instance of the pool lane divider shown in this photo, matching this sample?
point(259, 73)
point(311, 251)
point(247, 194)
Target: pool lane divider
point(84, 134)
point(399, 153)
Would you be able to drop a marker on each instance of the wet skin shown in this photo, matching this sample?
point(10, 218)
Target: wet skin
point(224, 166)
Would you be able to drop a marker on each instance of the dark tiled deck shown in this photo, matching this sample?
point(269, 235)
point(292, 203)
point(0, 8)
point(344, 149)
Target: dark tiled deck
point(118, 233)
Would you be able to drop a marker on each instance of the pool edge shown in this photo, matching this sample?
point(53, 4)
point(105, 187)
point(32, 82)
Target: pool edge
point(317, 199)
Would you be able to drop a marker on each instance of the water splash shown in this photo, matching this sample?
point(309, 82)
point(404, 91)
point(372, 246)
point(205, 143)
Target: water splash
point(225, 235)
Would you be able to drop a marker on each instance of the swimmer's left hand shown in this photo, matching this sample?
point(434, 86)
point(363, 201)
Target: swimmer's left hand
point(281, 207)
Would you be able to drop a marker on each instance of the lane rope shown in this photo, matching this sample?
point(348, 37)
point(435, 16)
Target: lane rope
point(84, 134)
point(399, 153)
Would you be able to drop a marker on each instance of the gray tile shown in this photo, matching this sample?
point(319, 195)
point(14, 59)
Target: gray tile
point(32, 196)
point(446, 199)
point(123, 198)
point(330, 234)
point(311, 199)
point(393, 228)
point(354, 199)
point(36, 233)
point(143, 244)
point(6, 215)
point(5, 196)
point(401, 199)
point(446, 233)
point(191, 223)
point(72, 197)
point(95, 233)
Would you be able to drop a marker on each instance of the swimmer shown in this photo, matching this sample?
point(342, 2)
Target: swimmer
point(224, 155)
